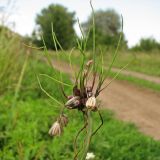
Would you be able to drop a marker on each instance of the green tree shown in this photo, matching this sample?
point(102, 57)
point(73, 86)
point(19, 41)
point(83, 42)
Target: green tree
point(62, 21)
point(147, 45)
point(108, 26)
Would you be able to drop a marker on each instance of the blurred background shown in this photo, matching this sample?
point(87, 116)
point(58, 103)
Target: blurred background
point(130, 106)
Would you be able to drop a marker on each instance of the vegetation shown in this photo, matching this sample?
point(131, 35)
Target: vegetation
point(108, 25)
point(62, 22)
point(11, 56)
point(24, 128)
point(141, 62)
point(25, 135)
point(147, 45)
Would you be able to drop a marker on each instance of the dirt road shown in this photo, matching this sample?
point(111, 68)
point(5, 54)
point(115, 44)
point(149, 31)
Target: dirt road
point(130, 103)
point(139, 75)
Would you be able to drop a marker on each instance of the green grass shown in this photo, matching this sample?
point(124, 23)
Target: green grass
point(12, 55)
point(25, 135)
point(143, 63)
point(24, 128)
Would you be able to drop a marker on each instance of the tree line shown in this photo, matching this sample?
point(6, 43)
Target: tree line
point(108, 24)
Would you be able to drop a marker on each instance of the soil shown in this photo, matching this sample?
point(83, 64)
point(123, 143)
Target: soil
point(139, 75)
point(130, 103)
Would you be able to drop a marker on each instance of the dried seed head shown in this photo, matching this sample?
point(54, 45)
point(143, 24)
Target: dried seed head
point(63, 120)
point(88, 64)
point(73, 102)
point(56, 129)
point(91, 103)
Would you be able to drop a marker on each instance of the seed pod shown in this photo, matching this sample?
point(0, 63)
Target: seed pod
point(91, 103)
point(56, 129)
point(73, 102)
point(63, 120)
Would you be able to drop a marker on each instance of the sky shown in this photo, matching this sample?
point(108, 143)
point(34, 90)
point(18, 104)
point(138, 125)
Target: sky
point(141, 17)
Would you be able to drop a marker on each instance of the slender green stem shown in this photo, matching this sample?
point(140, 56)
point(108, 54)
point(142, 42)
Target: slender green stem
point(88, 136)
point(94, 37)
point(20, 79)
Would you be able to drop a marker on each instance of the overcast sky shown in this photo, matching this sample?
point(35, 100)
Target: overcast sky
point(141, 17)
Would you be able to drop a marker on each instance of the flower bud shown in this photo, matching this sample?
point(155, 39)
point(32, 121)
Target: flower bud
point(63, 120)
point(91, 103)
point(56, 129)
point(73, 102)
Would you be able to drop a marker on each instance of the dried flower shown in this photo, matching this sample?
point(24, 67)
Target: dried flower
point(73, 102)
point(88, 64)
point(63, 120)
point(56, 129)
point(91, 103)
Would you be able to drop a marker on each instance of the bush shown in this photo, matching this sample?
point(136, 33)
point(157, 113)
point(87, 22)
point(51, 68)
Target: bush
point(108, 28)
point(147, 45)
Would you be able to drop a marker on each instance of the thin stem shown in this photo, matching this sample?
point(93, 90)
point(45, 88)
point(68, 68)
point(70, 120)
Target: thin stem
point(94, 36)
point(117, 74)
point(54, 79)
point(18, 87)
point(116, 51)
point(54, 99)
point(88, 136)
point(75, 141)
point(94, 79)
point(99, 125)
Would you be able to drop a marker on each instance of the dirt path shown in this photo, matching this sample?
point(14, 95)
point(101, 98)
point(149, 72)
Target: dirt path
point(130, 103)
point(139, 75)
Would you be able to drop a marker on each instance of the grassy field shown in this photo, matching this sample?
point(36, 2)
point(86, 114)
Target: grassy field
point(24, 126)
point(142, 62)
point(25, 135)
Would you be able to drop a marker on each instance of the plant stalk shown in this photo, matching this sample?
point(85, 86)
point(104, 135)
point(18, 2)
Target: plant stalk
point(88, 136)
